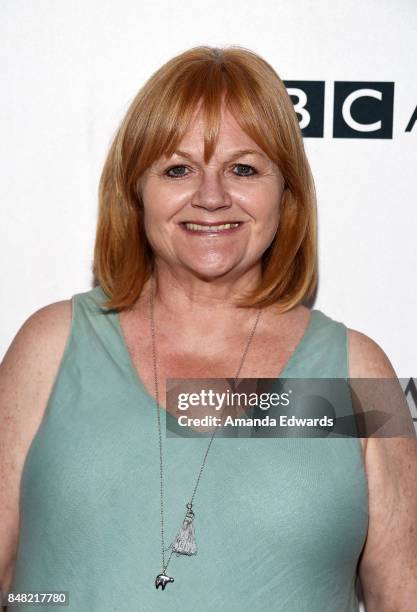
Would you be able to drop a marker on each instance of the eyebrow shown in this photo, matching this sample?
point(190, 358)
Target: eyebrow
point(234, 155)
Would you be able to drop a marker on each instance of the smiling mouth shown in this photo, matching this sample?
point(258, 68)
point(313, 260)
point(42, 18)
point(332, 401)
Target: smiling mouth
point(211, 229)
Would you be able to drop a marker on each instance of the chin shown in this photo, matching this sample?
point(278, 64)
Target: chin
point(209, 273)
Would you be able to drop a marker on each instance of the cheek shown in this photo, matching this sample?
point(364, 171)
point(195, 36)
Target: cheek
point(159, 208)
point(261, 199)
point(162, 202)
point(265, 212)
point(153, 217)
point(264, 209)
point(156, 207)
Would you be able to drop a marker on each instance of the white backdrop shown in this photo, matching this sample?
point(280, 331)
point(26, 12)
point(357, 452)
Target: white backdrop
point(70, 71)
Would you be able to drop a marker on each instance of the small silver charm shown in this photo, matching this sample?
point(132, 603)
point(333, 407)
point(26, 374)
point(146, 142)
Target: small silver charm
point(162, 580)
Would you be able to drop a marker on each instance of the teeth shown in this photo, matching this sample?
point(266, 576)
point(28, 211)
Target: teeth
point(194, 226)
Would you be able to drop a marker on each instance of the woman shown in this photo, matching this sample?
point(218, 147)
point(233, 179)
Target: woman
point(205, 252)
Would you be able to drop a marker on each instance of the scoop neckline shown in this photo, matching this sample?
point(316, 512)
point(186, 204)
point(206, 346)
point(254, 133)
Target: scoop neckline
point(135, 374)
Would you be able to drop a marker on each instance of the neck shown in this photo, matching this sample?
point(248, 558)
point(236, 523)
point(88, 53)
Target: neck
point(186, 300)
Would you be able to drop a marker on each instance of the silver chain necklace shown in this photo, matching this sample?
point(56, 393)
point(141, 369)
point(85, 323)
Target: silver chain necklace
point(184, 543)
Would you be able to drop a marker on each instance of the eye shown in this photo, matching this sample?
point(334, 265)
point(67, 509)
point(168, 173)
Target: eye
point(175, 174)
point(245, 168)
point(178, 171)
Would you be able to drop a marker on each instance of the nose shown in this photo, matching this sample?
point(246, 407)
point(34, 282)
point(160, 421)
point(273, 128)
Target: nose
point(211, 193)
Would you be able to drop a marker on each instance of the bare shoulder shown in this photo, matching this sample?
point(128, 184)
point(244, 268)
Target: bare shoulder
point(27, 373)
point(49, 318)
point(38, 345)
point(366, 357)
point(367, 360)
point(30, 364)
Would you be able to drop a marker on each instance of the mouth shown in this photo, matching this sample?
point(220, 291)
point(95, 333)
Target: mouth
point(226, 227)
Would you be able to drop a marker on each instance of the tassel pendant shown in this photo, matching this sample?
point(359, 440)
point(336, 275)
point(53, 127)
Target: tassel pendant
point(185, 543)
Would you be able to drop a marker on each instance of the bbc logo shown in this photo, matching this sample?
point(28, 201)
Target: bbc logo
point(361, 109)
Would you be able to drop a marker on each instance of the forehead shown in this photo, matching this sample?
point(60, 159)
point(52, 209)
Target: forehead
point(230, 134)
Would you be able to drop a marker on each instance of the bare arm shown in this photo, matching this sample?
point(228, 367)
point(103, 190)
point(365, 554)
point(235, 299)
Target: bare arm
point(27, 373)
point(388, 565)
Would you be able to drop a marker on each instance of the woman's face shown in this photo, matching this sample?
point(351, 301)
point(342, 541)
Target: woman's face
point(239, 184)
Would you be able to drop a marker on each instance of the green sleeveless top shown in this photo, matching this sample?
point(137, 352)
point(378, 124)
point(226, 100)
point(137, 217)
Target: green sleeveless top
point(280, 522)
